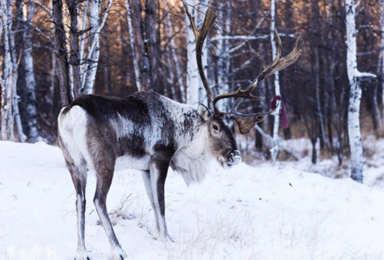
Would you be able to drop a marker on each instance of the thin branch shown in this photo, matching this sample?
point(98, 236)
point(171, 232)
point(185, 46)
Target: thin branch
point(248, 38)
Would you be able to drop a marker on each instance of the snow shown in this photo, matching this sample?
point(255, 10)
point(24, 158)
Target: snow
point(244, 213)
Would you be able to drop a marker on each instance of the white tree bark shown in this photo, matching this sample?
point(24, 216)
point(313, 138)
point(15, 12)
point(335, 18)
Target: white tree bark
point(318, 102)
point(89, 75)
point(50, 97)
point(7, 90)
point(193, 79)
point(381, 60)
point(20, 133)
point(355, 94)
point(136, 66)
point(223, 53)
point(204, 55)
point(275, 149)
point(2, 83)
point(94, 10)
point(30, 82)
point(83, 22)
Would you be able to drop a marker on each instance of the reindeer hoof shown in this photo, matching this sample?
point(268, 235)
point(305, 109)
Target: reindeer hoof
point(81, 255)
point(170, 238)
point(118, 254)
point(164, 238)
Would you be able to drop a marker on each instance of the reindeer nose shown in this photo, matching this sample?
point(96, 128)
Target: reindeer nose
point(235, 157)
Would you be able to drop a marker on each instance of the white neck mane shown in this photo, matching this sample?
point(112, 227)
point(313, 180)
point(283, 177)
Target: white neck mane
point(192, 161)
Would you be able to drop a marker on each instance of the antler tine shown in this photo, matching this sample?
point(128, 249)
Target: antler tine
point(200, 36)
point(264, 67)
point(278, 64)
point(278, 49)
point(262, 63)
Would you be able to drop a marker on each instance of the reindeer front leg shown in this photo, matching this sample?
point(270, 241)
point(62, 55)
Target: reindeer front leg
point(158, 173)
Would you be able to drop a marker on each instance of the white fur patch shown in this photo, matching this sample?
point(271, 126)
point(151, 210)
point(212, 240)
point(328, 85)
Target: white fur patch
point(73, 132)
point(192, 161)
point(128, 162)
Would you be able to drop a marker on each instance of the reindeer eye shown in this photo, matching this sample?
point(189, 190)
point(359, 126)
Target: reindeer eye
point(215, 127)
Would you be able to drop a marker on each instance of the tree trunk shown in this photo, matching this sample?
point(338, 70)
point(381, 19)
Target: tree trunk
point(135, 58)
point(193, 79)
point(87, 83)
point(140, 52)
point(7, 88)
point(94, 10)
point(223, 54)
point(381, 64)
point(318, 101)
point(354, 95)
point(106, 70)
point(275, 148)
point(204, 55)
point(382, 55)
point(178, 74)
point(74, 58)
point(150, 41)
point(61, 50)
point(30, 82)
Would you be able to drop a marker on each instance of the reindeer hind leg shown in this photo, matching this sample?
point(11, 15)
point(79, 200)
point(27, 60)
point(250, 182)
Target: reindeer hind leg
point(78, 173)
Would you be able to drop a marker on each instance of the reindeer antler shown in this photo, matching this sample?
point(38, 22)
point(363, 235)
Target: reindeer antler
point(200, 36)
point(278, 64)
point(245, 121)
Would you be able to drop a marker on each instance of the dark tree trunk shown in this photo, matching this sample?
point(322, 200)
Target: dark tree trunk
point(314, 152)
point(259, 140)
point(105, 64)
point(141, 54)
point(74, 45)
point(61, 57)
point(150, 41)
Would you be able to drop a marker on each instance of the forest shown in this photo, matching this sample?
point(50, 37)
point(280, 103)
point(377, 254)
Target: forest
point(52, 52)
point(310, 188)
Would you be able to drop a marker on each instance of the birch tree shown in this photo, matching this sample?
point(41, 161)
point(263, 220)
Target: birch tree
point(74, 55)
point(135, 61)
point(8, 82)
point(29, 77)
point(141, 55)
point(94, 53)
point(275, 149)
point(355, 93)
point(150, 41)
point(380, 67)
point(89, 75)
point(223, 53)
point(204, 56)
point(193, 79)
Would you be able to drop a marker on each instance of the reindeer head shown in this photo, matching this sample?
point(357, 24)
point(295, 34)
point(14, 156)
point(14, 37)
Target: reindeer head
point(221, 140)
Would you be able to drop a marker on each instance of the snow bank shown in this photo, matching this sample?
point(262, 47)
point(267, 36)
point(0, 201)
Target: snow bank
point(243, 213)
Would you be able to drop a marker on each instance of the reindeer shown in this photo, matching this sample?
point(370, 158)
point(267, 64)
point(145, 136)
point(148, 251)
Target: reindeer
point(149, 132)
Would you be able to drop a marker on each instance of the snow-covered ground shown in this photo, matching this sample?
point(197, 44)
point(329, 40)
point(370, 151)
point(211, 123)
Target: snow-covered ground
point(244, 213)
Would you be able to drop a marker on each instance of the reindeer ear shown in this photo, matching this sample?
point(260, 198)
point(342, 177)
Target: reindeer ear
point(204, 112)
